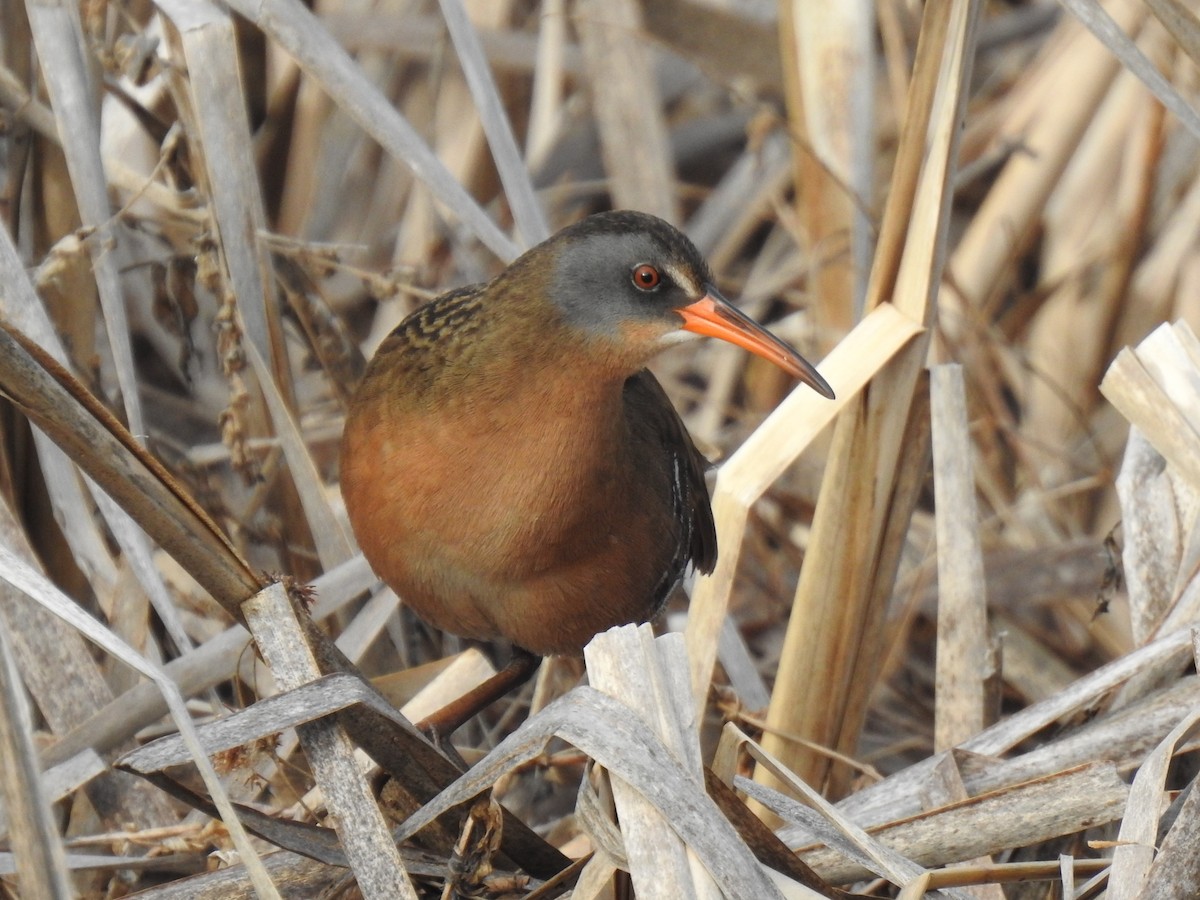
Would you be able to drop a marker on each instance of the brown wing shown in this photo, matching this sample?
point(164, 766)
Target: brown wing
point(650, 408)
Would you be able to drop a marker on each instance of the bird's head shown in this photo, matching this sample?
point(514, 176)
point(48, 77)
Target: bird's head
point(631, 282)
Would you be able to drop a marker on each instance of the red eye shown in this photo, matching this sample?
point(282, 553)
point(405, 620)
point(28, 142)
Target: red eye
point(646, 277)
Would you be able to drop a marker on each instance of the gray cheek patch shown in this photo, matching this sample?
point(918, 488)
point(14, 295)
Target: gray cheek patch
point(593, 289)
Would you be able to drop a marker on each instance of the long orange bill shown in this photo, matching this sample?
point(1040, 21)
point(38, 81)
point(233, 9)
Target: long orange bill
point(714, 316)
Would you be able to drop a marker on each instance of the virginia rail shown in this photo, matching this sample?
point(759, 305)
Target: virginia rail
point(512, 470)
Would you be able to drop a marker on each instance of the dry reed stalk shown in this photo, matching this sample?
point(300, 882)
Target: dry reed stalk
point(70, 86)
point(1146, 384)
point(207, 43)
point(1174, 870)
point(961, 830)
point(514, 176)
point(829, 75)
point(37, 845)
point(965, 662)
point(361, 827)
point(628, 112)
point(1056, 107)
point(300, 35)
point(1159, 276)
point(627, 664)
point(1091, 217)
point(461, 143)
point(878, 458)
point(775, 445)
point(1148, 802)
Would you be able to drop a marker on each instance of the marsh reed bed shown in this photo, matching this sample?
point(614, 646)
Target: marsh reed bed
point(948, 644)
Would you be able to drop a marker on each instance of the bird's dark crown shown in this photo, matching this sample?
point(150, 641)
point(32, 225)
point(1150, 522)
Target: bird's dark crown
point(662, 235)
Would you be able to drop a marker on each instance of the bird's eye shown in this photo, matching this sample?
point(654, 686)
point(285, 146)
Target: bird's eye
point(646, 277)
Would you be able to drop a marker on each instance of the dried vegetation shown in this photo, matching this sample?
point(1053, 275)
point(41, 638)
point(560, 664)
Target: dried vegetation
point(948, 646)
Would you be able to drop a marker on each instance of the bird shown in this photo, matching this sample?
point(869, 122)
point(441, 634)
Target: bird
point(512, 469)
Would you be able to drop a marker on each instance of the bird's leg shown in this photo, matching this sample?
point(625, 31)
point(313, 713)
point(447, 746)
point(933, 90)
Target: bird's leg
point(447, 720)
